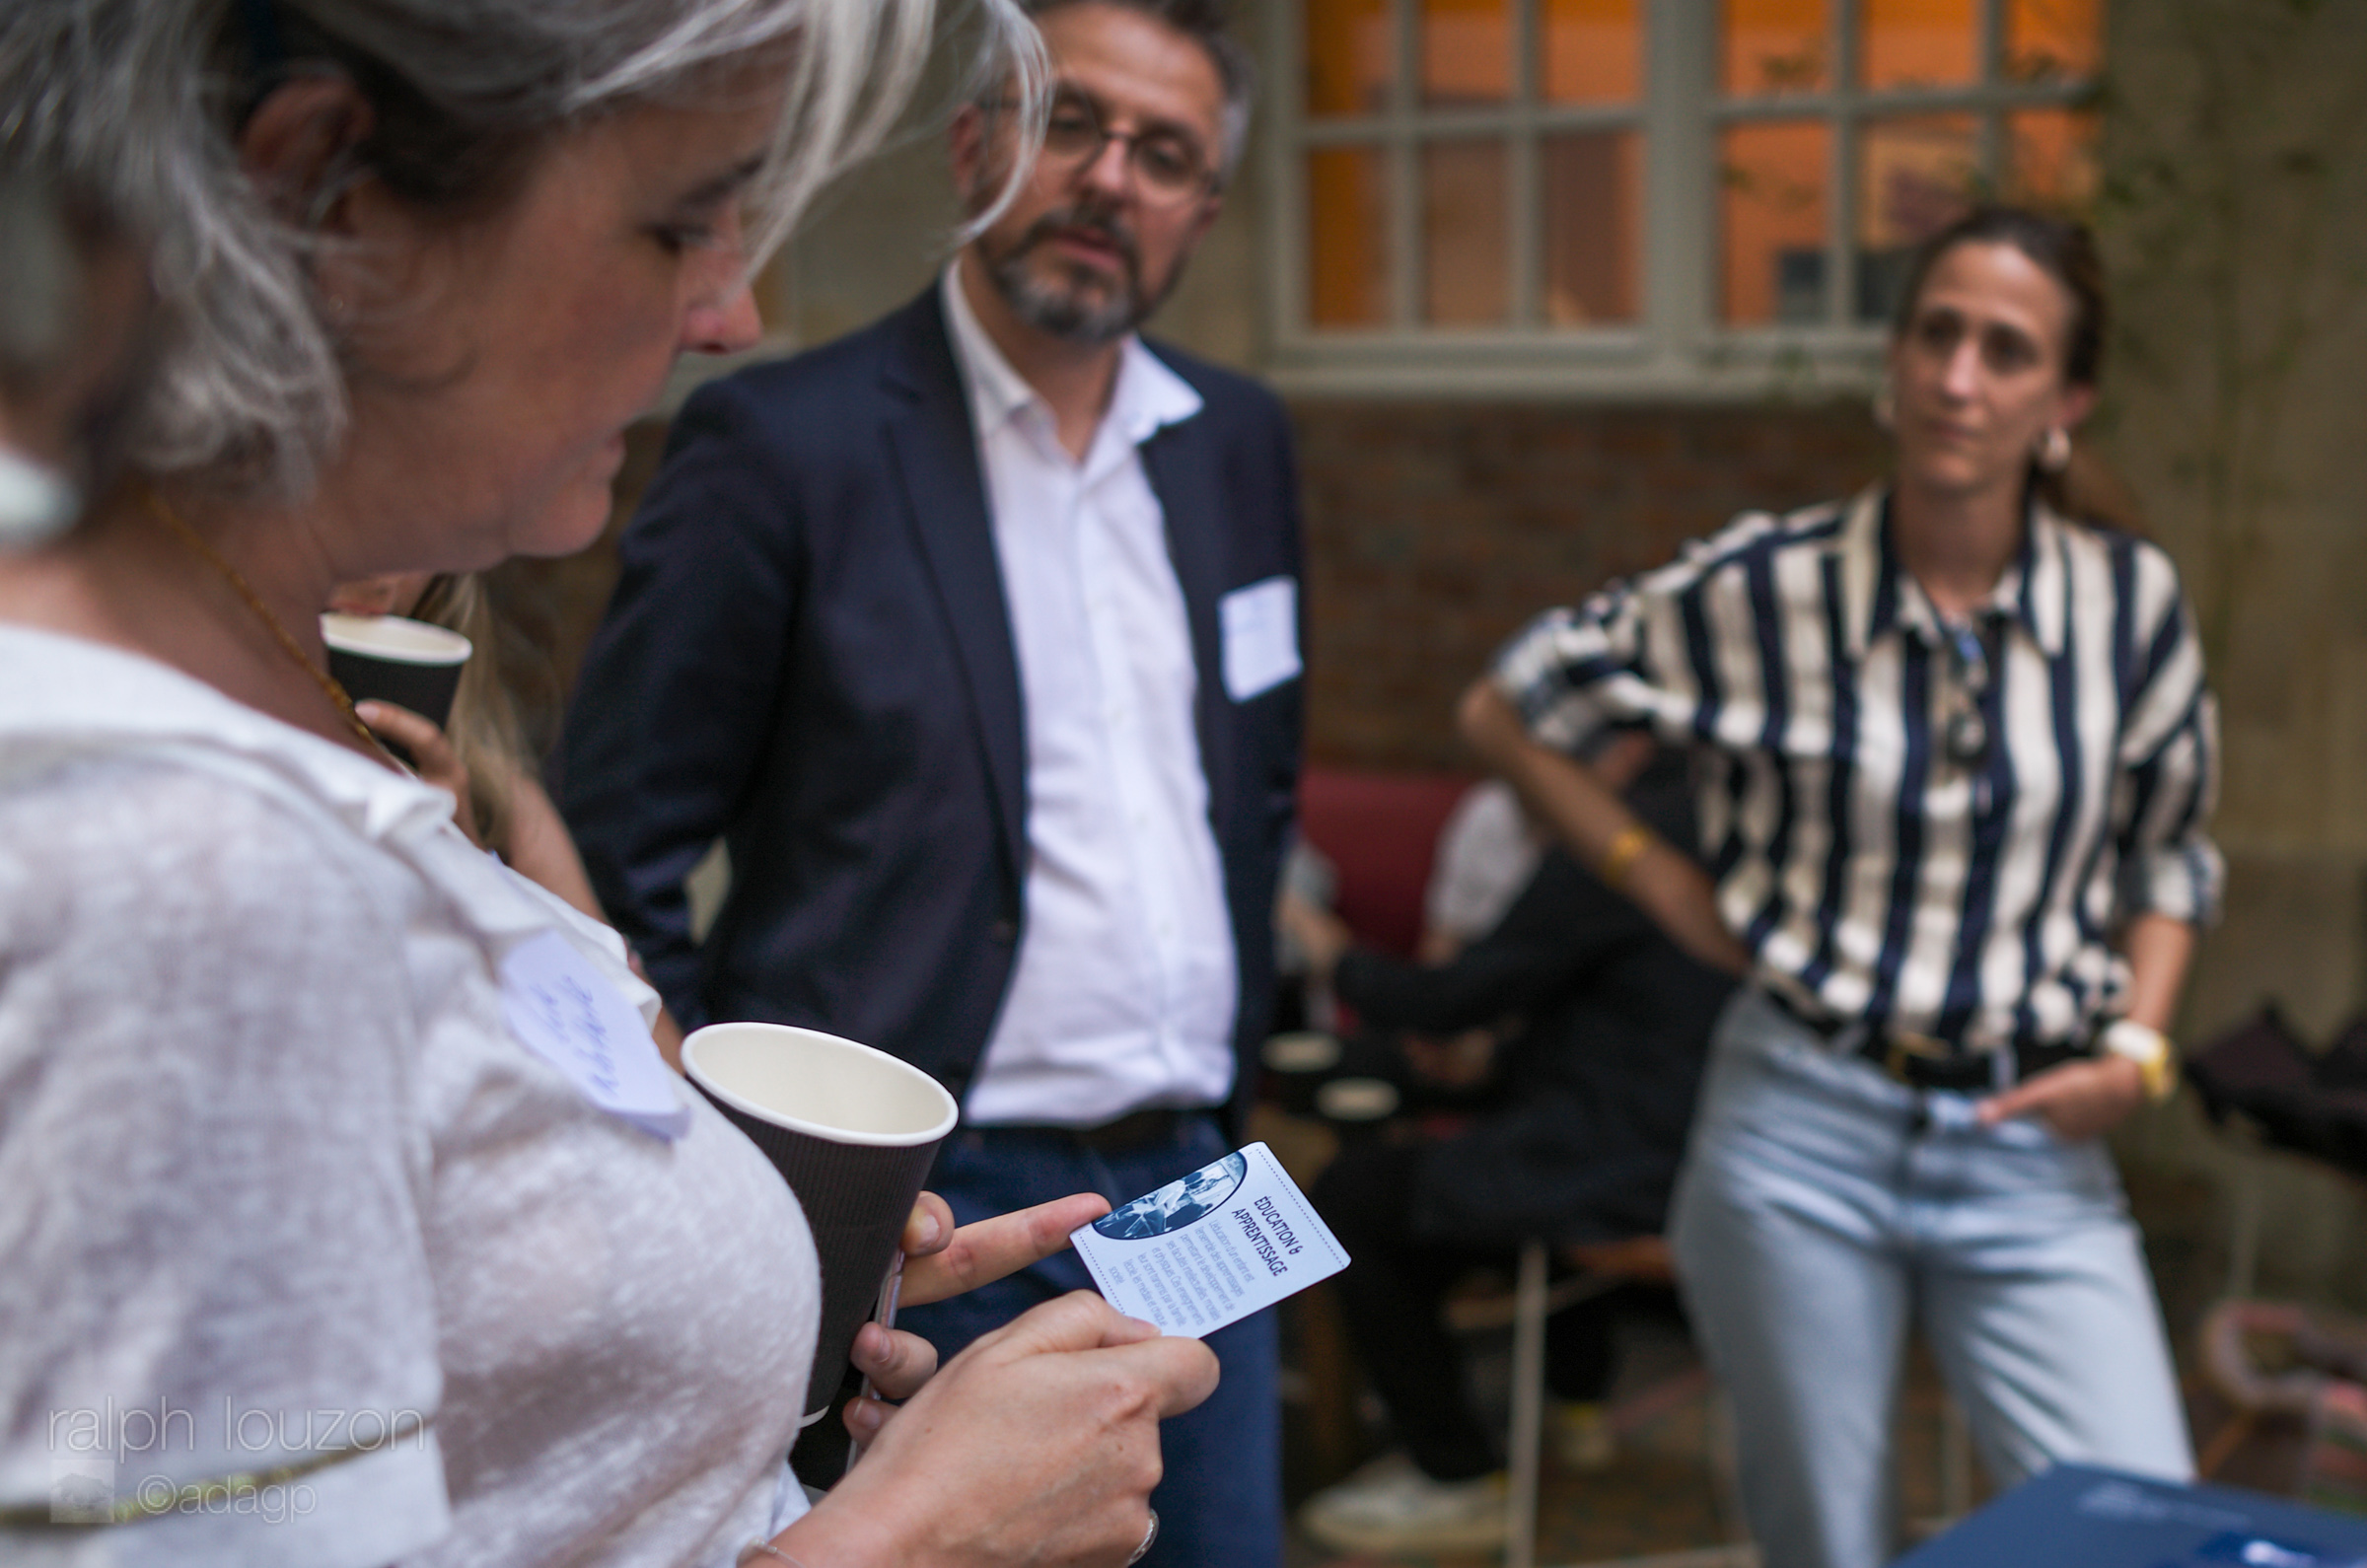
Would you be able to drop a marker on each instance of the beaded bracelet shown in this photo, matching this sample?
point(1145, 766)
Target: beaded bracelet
point(748, 1553)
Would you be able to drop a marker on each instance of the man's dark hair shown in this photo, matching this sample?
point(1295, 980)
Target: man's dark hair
point(1206, 23)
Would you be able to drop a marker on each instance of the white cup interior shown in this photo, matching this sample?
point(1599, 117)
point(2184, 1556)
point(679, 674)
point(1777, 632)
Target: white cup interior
point(1300, 1051)
point(815, 1083)
point(404, 641)
point(1356, 1099)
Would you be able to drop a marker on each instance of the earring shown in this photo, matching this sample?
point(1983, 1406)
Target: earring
point(1886, 403)
point(2054, 450)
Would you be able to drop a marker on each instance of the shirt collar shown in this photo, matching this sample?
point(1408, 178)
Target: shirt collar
point(1878, 593)
point(1146, 396)
point(997, 393)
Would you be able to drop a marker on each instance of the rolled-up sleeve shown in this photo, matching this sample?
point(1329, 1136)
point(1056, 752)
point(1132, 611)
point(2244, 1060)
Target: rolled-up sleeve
point(1643, 651)
point(2170, 757)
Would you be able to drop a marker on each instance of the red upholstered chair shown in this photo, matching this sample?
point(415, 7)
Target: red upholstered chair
point(1379, 831)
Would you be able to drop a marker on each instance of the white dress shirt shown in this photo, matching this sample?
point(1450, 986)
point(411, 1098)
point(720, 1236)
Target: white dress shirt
point(1124, 990)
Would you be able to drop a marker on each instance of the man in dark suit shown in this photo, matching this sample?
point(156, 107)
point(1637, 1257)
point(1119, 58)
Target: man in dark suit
point(974, 637)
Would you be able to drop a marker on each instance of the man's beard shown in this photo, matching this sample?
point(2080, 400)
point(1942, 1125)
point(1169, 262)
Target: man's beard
point(1072, 306)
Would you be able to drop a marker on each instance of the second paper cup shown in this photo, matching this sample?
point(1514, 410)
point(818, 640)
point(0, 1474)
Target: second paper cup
point(389, 658)
point(854, 1131)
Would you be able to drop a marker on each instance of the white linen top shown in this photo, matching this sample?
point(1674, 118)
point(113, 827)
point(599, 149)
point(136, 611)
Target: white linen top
point(1124, 988)
point(275, 1178)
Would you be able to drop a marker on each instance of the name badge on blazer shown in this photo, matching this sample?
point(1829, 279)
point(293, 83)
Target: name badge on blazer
point(1261, 628)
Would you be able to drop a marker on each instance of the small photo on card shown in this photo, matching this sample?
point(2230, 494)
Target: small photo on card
point(1211, 1247)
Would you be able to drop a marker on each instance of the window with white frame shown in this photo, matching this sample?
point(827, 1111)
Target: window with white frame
point(1643, 196)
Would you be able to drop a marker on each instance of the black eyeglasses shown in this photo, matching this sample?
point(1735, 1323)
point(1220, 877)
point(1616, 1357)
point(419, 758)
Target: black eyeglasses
point(1965, 733)
point(1169, 165)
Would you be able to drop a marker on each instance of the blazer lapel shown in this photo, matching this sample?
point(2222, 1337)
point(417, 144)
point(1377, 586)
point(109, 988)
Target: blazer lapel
point(936, 458)
point(1181, 471)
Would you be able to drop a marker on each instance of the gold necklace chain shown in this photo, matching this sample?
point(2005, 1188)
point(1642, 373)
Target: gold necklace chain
point(336, 694)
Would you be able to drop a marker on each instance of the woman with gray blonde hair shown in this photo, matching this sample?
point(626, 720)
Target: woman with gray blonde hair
point(310, 1256)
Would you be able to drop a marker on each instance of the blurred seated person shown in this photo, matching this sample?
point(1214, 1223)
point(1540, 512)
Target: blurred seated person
point(1488, 851)
point(1604, 1024)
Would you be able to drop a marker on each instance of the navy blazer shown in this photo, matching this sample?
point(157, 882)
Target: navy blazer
point(809, 655)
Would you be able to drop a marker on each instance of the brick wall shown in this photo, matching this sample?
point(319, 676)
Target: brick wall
point(1434, 530)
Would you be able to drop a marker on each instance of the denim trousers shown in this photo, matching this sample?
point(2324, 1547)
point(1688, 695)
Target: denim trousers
point(1220, 1499)
point(1825, 1206)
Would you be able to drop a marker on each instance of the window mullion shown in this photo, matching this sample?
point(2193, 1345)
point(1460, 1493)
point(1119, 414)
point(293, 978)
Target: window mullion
point(1680, 174)
point(1289, 249)
point(1990, 149)
point(1840, 272)
point(1404, 183)
point(1524, 220)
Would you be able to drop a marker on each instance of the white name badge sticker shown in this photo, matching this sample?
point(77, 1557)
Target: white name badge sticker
point(1261, 627)
point(1229, 1239)
point(564, 1010)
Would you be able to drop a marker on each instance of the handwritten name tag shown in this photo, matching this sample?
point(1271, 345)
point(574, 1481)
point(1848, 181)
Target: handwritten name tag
point(1261, 627)
point(564, 1010)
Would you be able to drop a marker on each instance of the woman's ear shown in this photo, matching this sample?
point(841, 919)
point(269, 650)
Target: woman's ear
point(299, 145)
point(2078, 402)
point(967, 142)
point(302, 148)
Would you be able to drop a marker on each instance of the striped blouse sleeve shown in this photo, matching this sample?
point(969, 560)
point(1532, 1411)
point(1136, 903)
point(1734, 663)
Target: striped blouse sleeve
point(1637, 652)
point(2168, 753)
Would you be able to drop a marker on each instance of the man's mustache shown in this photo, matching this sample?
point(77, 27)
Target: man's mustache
point(1100, 225)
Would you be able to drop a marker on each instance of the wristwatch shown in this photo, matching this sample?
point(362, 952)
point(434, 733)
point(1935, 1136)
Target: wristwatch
point(2149, 1048)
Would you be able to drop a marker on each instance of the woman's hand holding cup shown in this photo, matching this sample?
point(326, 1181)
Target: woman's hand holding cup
point(942, 1260)
point(431, 752)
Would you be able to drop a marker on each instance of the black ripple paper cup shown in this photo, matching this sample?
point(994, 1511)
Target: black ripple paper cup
point(391, 658)
point(854, 1131)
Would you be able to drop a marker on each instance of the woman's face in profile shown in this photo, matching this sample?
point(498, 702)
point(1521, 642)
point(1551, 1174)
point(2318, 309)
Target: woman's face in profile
point(1978, 370)
point(503, 362)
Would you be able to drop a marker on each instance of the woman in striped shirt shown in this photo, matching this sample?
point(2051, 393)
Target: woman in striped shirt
point(1955, 759)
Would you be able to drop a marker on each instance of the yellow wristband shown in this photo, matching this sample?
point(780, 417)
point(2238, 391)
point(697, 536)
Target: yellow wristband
point(1625, 852)
point(2149, 1048)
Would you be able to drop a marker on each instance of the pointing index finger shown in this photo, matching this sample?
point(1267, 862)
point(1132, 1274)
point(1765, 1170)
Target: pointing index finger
point(988, 1249)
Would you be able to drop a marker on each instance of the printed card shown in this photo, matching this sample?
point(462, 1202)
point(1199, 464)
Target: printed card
point(1229, 1239)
